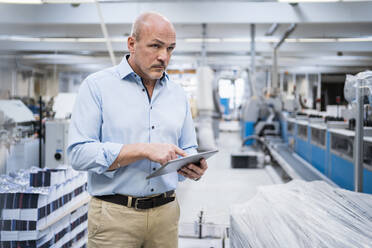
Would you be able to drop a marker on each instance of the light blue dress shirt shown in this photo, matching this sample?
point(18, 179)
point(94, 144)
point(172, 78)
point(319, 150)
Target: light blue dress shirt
point(113, 109)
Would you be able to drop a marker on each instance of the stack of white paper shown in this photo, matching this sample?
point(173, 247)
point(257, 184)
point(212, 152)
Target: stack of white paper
point(29, 215)
point(303, 214)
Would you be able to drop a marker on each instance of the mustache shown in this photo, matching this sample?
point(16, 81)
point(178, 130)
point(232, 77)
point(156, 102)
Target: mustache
point(159, 65)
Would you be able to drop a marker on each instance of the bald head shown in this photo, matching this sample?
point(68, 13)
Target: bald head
point(148, 21)
point(150, 45)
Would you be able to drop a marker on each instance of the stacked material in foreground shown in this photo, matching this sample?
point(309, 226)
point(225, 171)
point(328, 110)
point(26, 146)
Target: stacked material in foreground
point(43, 208)
point(303, 214)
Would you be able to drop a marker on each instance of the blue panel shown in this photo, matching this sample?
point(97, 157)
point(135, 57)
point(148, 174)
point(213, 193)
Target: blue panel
point(318, 158)
point(367, 181)
point(248, 131)
point(342, 172)
point(328, 154)
point(225, 103)
point(302, 149)
point(283, 126)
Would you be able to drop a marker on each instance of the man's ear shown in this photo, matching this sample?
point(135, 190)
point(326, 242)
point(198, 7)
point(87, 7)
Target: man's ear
point(131, 44)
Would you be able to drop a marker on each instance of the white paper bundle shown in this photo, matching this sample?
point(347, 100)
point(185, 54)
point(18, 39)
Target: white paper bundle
point(303, 214)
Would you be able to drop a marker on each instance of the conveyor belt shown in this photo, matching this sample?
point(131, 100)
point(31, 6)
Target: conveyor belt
point(293, 165)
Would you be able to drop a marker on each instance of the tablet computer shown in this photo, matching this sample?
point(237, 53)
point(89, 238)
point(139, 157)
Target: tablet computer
point(176, 164)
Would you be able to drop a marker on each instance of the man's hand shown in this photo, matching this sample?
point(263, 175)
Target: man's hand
point(162, 153)
point(194, 171)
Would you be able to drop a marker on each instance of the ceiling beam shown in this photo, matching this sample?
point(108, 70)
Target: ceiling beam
point(183, 46)
point(191, 12)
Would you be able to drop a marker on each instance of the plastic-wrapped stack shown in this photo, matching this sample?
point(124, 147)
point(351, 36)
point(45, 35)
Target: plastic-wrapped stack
point(303, 214)
point(43, 208)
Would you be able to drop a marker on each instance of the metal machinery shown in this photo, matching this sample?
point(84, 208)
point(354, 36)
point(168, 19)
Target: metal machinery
point(56, 141)
point(260, 117)
point(302, 146)
point(329, 147)
point(318, 146)
point(341, 158)
point(19, 149)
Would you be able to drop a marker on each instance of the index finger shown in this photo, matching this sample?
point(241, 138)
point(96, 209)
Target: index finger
point(181, 152)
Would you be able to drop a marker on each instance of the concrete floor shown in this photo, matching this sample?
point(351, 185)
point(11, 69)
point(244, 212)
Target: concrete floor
point(219, 189)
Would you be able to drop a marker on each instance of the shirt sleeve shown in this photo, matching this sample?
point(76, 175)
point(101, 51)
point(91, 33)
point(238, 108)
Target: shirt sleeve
point(187, 141)
point(85, 151)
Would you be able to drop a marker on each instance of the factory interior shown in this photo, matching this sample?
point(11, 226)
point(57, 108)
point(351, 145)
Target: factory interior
point(282, 89)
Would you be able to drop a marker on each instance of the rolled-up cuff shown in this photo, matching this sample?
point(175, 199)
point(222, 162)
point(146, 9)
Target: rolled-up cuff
point(107, 155)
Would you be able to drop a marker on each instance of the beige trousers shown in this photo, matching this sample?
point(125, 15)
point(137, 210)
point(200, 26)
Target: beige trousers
point(114, 226)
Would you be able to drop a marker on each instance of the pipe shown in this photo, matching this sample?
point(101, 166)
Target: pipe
point(272, 29)
point(204, 45)
point(40, 132)
point(275, 59)
point(358, 140)
point(105, 34)
point(286, 34)
point(253, 55)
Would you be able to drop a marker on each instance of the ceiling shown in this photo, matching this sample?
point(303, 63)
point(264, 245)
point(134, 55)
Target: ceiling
point(329, 37)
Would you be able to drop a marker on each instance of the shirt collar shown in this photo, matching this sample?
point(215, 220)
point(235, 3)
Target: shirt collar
point(125, 70)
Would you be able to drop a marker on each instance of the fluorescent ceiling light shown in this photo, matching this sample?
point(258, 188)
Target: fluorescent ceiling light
point(366, 39)
point(21, 38)
point(201, 40)
point(22, 1)
point(89, 40)
point(46, 1)
point(267, 39)
point(290, 40)
point(236, 40)
point(59, 39)
point(316, 40)
point(191, 40)
point(68, 1)
point(119, 39)
point(308, 1)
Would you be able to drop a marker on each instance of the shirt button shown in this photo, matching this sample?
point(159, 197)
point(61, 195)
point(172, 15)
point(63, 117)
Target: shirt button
point(143, 90)
point(152, 190)
point(153, 127)
point(153, 168)
point(151, 107)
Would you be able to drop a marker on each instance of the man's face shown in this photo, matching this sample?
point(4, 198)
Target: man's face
point(151, 53)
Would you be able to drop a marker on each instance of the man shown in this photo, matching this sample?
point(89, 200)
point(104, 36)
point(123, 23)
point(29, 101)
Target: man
point(128, 121)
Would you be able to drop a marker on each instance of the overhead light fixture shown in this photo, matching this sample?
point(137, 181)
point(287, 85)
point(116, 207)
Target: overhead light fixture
point(22, 1)
point(59, 39)
point(91, 40)
point(315, 40)
point(21, 38)
point(291, 40)
point(268, 39)
point(308, 1)
point(69, 1)
point(236, 40)
point(190, 40)
point(365, 39)
point(46, 1)
point(196, 40)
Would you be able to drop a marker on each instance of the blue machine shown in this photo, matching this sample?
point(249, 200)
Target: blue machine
point(341, 165)
point(302, 142)
point(225, 103)
point(248, 131)
point(284, 129)
point(318, 147)
point(330, 151)
point(287, 127)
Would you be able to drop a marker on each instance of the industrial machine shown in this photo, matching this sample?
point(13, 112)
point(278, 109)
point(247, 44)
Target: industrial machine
point(56, 141)
point(19, 149)
point(260, 116)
